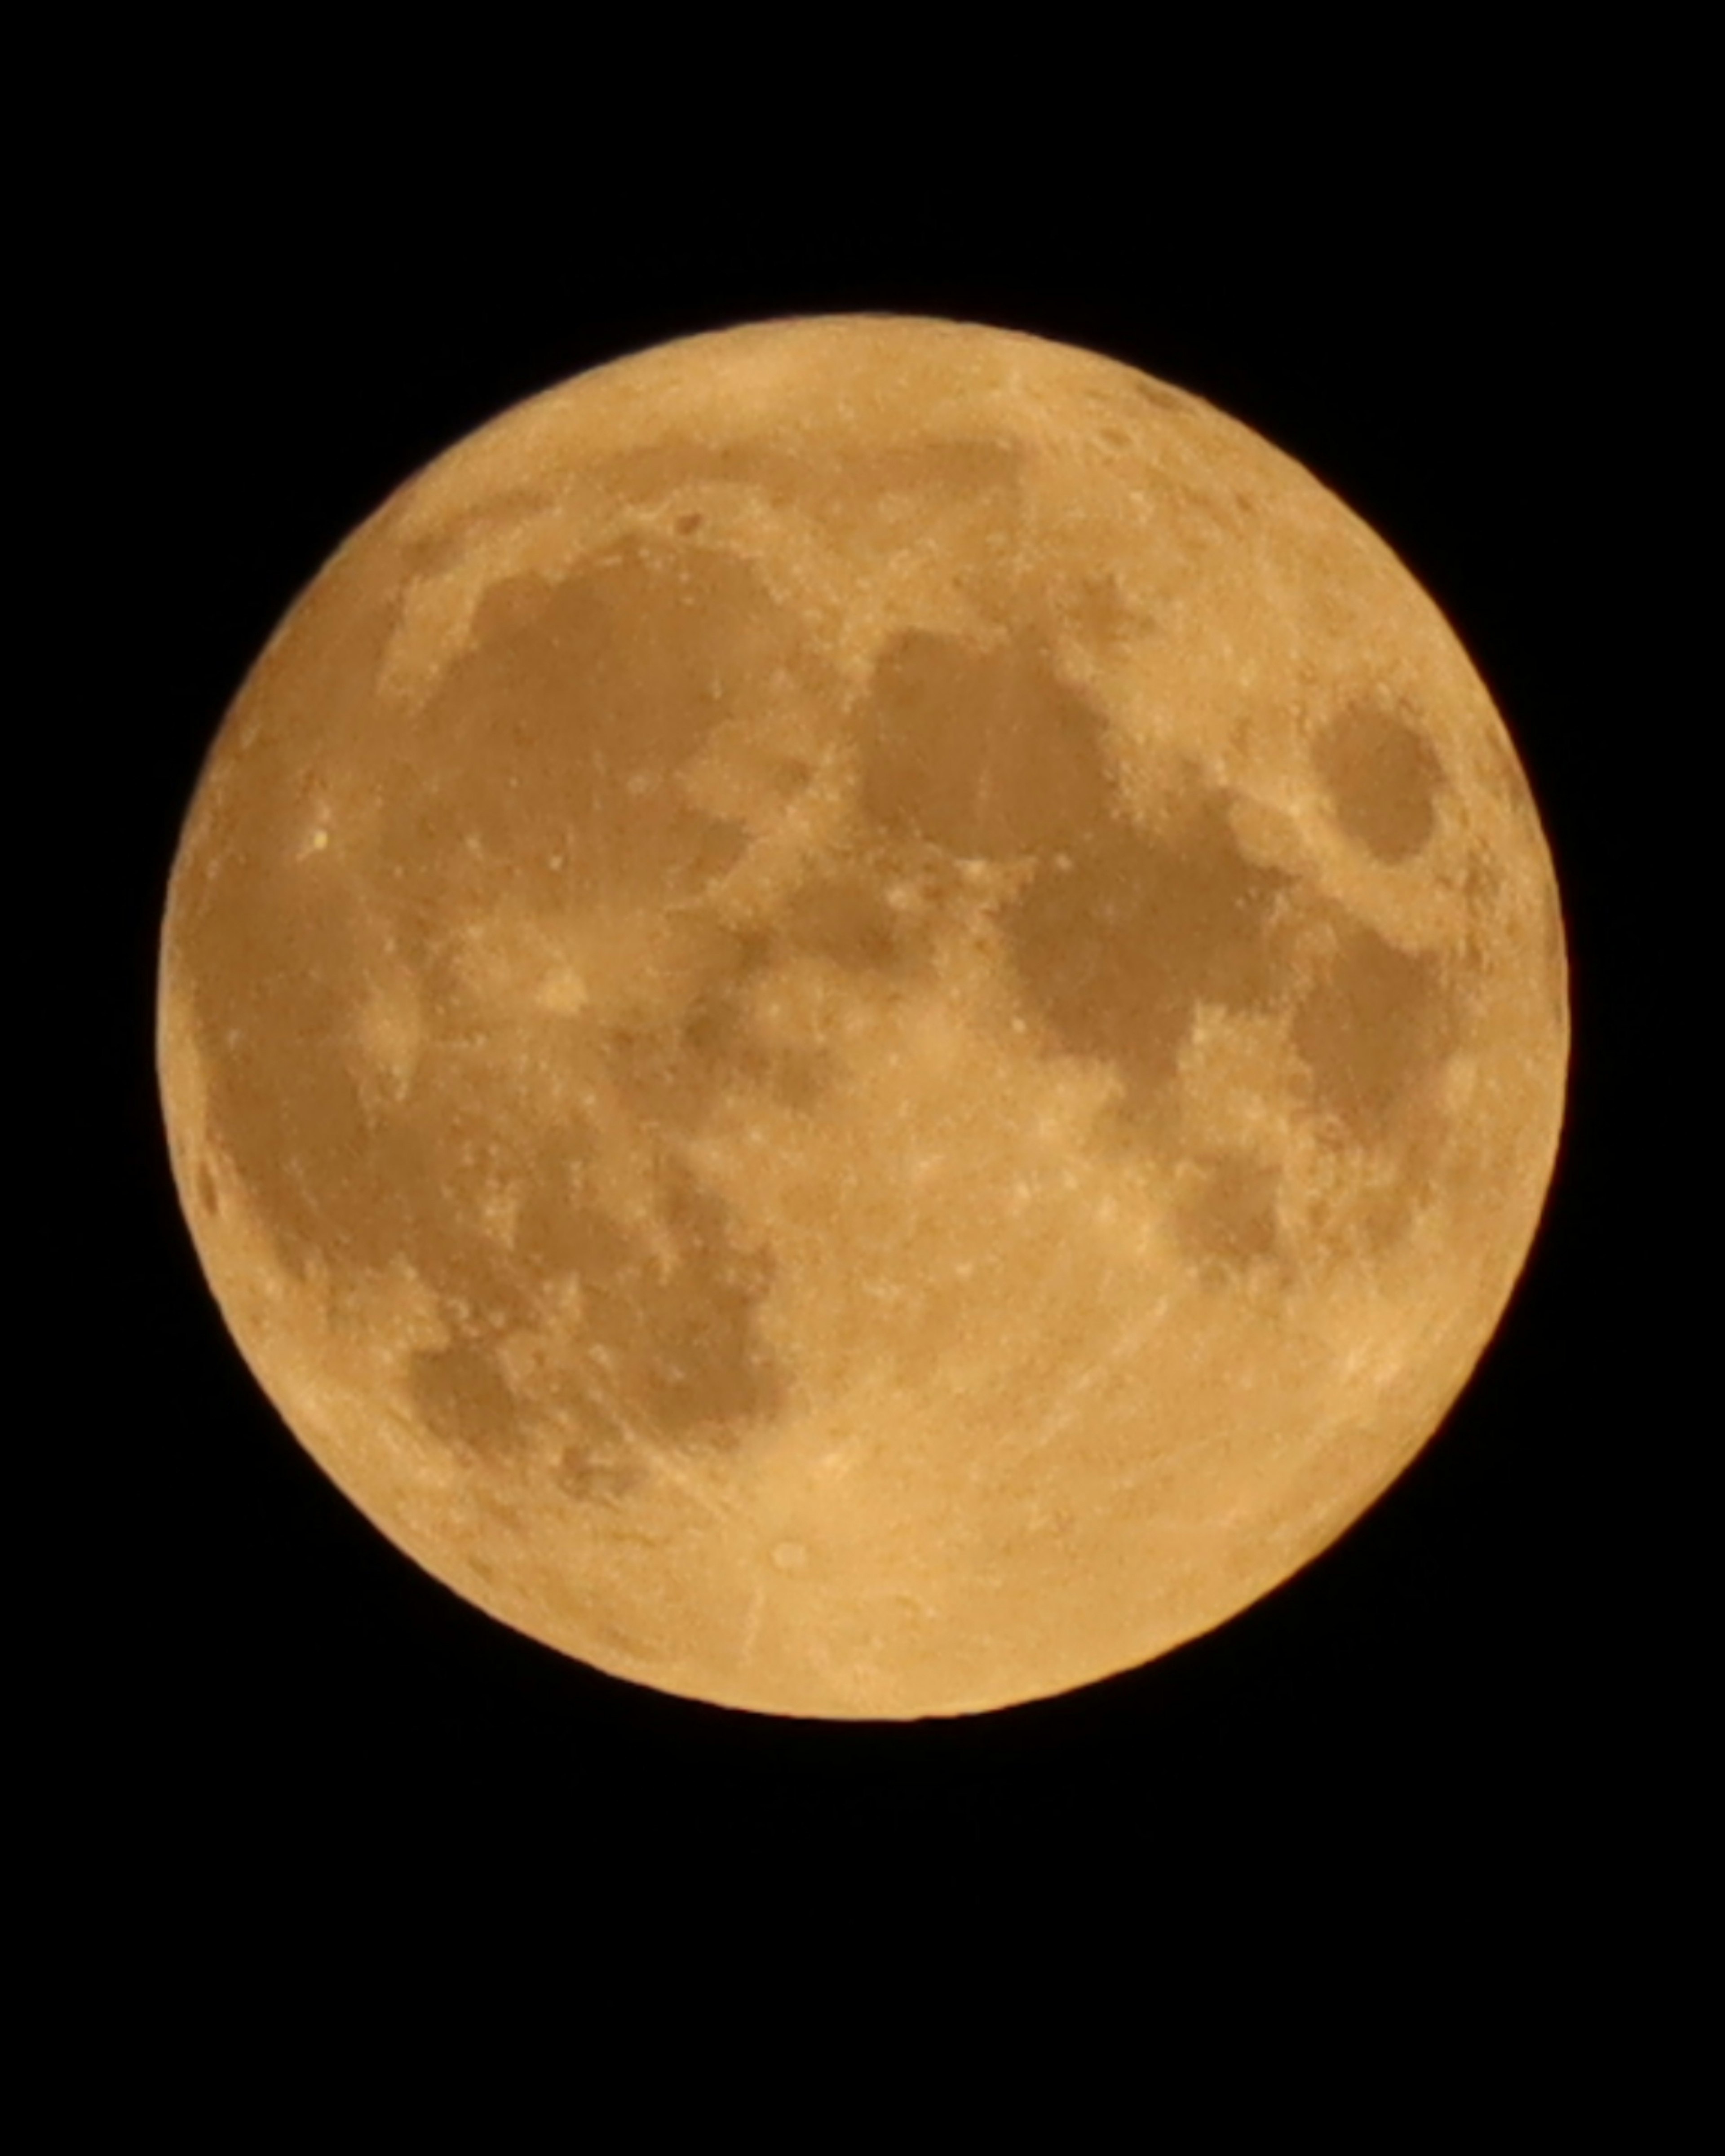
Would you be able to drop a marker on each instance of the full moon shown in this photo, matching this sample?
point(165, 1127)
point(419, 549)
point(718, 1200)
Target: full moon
point(863, 1017)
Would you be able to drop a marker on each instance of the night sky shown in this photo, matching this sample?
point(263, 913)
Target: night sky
point(274, 1697)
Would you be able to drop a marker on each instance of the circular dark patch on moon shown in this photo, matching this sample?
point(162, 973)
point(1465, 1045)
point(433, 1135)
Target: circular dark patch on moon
point(1382, 777)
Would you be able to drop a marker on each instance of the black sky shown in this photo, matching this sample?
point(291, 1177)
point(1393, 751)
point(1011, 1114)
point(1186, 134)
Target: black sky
point(278, 1695)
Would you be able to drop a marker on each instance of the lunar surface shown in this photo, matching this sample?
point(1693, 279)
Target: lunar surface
point(863, 1017)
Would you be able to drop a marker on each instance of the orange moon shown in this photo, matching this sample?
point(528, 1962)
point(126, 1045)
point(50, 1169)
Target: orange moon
point(863, 1017)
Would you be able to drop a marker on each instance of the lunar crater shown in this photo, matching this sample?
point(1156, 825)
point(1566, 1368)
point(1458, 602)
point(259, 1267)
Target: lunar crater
point(1382, 775)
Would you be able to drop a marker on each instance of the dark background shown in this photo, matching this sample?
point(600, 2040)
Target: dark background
point(1450, 1708)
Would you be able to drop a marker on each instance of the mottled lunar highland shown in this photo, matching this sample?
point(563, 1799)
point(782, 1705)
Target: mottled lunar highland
point(863, 1017)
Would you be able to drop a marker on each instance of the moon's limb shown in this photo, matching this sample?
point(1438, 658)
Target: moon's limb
point(863, 1018)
